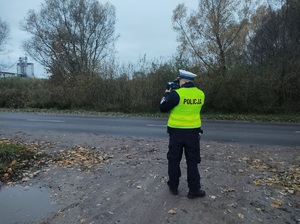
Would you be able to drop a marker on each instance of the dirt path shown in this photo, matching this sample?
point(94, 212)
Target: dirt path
point(244, 183)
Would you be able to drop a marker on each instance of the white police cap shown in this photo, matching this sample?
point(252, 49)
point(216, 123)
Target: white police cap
point(186, 75)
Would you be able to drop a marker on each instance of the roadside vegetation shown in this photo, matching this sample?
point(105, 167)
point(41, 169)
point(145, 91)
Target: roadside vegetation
point(21, 161)
point(17, 158)
point(248, 67)
point(121, 98)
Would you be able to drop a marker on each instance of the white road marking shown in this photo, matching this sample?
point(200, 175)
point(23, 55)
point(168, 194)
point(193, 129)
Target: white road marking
point(50, 121)
point(156, 125)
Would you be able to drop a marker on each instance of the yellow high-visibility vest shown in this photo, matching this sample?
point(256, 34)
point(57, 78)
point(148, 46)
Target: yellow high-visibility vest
point(187, 113)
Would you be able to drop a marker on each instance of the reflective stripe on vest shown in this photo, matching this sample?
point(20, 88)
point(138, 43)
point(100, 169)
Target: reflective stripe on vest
point(187, 113)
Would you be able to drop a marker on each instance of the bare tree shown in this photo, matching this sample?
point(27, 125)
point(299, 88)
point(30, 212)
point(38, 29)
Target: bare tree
point(71, 37)
point(275, 46)
point(276, 35)
point(4, 33)
point(212, 32)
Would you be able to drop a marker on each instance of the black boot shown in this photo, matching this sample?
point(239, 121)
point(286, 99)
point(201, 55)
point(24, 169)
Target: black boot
point(174, 191)
point(196, 194)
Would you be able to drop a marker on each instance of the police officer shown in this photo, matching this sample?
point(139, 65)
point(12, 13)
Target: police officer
point(184, 129)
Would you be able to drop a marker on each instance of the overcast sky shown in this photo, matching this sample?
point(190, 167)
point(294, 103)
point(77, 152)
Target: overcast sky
point(144, 26)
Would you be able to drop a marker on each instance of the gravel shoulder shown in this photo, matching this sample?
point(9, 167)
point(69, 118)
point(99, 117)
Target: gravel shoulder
point(244, 183)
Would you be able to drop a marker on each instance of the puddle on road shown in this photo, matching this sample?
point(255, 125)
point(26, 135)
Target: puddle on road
point(20, 204)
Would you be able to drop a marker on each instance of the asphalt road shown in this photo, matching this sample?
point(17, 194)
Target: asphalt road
point(283, 134)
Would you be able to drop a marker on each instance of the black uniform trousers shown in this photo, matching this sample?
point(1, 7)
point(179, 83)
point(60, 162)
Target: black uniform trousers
point(190, 145)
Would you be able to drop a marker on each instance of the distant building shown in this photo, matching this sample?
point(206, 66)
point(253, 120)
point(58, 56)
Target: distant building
point(7, 74)
point(24, 69)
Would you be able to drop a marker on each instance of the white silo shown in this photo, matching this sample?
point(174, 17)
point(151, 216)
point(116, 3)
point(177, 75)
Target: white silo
point(24, 68)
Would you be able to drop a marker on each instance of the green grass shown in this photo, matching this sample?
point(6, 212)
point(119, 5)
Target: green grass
point(15, 158)
point(10, 152)
point(293, 118)
point(7, 153)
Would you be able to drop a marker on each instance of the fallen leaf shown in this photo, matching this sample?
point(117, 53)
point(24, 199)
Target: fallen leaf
point(257, 182)
point(240, 215)
point(276, 203)
point(258, 209)
point(172, 212)
point(213, 197)
point(262, 168)
point(280, 174)
point(207, 169)
point(25, 179)
point(230, 189)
